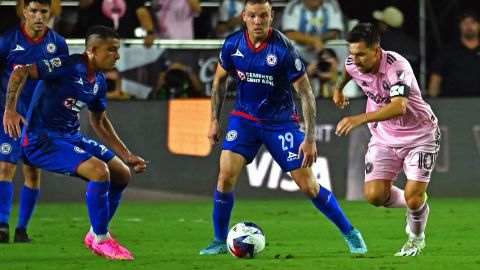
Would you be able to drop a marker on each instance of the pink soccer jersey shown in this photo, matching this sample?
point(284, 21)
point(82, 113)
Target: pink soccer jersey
point(395, 77)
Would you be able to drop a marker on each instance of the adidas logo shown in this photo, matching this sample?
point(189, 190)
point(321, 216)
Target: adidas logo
point(364, 84)
point(238, 53)
point(18, 48)
point(292, 156)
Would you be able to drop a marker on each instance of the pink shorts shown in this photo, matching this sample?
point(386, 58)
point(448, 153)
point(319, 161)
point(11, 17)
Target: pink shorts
point(384, 163)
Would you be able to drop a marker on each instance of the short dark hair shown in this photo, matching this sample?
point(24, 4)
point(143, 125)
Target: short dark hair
point(100, 31)
point(468, 14)
point(364, 32)
point(27, 2)
point(253, 2)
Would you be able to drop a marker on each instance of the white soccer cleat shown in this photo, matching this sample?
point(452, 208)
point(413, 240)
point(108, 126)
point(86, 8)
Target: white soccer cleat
point(413, 246)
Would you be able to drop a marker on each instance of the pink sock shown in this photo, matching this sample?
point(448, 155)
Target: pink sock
point(417, 219)
point(396, 199)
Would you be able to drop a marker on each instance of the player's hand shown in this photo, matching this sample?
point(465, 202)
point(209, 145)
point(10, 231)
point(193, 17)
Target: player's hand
point(309, 151)
point(347, 124)
point(148, 40)
point(215, 132)
point(138, 164)
point(11, 123)
point(339, 99)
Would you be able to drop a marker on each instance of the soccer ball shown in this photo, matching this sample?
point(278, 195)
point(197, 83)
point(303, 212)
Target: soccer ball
point(245, 240)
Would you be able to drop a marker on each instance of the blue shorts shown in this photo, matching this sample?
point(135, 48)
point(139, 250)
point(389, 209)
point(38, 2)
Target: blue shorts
point(62, 153)
point(9, 148)
point(245, 138)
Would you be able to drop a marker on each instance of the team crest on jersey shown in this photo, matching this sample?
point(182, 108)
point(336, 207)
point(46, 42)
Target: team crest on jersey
point(385, 85)
point(241, 75)
point(401, 75)
point(368, 167)
point(56, 62)
point(51, 48)
point(271, 60)
point(69, 102)
point(95, 89)
point(231, 135)
point(5, 148)
point(79, 150)
point(298, 64)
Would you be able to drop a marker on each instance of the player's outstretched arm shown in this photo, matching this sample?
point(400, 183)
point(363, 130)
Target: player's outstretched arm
point(104, 129)
point(308, 146)
point(218, 98)
point(11, 118)
point(397, 107)
point(338, 98)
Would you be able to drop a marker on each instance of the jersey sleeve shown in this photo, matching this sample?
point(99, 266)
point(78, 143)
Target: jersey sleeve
point(293, 64)
point(62, 47)
point(400, 75)
point(55, 67)
point(224, 58)
point(100, 103)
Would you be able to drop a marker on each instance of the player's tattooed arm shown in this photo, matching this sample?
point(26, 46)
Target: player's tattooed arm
point(15, 85)
point(218, 93)
point(304, 90)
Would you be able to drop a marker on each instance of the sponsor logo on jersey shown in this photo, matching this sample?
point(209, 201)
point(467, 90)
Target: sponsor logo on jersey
point(18, 48)
point(74, 105)
point(271, 60)
point(377, 98)
point(238, 53)
point(241, 75)
point(95, 89)
point(231, 135)
point(252, 77)
point(80, 81)
point(292, 156)
point(51, 48)
point(56, 62)
point(298, 64)
point(5, 148)
point(48, 66)
point(79, 150)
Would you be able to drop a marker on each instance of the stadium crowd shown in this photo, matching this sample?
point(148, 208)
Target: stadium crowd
point(309, 23)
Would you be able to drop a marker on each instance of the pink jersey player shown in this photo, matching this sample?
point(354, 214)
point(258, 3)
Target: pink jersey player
point(405, 133)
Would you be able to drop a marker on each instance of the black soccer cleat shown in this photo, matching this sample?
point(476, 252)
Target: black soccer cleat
point(21, 236)
point(4, 233)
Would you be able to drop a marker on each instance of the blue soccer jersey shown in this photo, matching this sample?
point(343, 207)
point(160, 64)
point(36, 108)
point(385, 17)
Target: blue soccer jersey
point(264, 75)
point(67, 86)
point(18, 49)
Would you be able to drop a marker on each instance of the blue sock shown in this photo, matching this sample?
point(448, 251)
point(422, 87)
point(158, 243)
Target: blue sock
point(28, 200)
point(6, 197)
point(115, 192)
point(97, 202)
point(328, 205)
point(222, 209)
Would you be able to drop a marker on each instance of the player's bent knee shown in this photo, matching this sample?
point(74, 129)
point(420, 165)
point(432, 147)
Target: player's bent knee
point(375, 198)
point(309, 190)
point(95, 170)
point(415, 202)
point(7, 170)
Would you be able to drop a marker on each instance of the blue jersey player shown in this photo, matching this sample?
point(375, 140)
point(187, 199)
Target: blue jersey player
point(51, 140)
point(21, 46)
point(267, 66)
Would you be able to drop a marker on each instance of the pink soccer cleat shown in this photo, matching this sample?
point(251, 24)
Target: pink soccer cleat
point(111, 249)
point(89, 239)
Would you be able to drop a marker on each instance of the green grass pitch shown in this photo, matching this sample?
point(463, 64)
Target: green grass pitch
point(168, 235)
